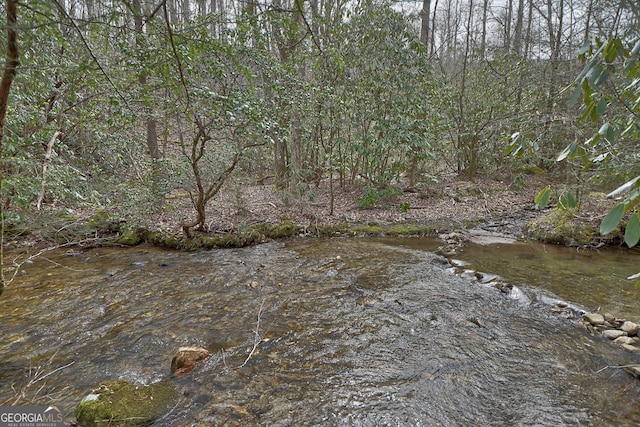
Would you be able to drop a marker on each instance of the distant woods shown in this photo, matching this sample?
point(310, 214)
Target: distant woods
point(153, 97)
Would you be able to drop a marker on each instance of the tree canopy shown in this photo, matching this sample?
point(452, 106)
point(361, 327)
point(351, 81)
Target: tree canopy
point(128, 102)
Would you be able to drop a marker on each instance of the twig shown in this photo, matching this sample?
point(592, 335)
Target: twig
point(57, 264)
point(18, 265)
point(53, 372)
point(617, 367)
point(35, 375)
point(257, 339)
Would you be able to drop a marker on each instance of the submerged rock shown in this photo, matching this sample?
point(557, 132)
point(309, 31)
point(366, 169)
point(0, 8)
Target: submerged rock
point(120, 403)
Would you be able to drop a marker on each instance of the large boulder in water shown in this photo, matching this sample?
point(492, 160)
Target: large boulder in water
point(120, 403)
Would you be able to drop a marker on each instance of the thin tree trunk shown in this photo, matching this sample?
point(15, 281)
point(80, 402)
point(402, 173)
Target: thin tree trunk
point(186, 10)
point(214, 9)
point(483, 42)
point(587, 25)
point(433, 29)
point(517, 33)
point(152, 135)
point(45, 166)
point(465, 61)
point(507, 26)
point(296, 125)
point(527, 39)
point(425, 16)
point(223, 17)
point(10, 70)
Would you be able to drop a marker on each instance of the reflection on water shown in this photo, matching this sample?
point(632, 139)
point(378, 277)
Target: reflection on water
point(356, 332)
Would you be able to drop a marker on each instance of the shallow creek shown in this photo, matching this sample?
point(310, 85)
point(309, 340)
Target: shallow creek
point(350, 332)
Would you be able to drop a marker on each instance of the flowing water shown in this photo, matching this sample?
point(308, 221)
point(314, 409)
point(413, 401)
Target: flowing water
point(594, 279)
point(339, 332)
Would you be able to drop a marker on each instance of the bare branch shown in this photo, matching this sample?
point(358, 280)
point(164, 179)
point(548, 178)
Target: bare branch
point(257, 338)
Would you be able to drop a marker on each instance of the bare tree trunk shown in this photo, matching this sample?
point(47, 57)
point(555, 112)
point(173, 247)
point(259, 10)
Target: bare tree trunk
point(587, 25)
point(152, 135)
point(223, 17)
point(461, 112)
point(90, 9)
point(507, 26)
point(280, 163)
point(186, 10)
point(173, 11)
point(45, 166)
point(517, 33)
point(296, 125)
point(425, 16)
point(527, 39)
point(448, 35)
point(10, 70)
point(483, 42)
point(433, 29)
point(214, 9)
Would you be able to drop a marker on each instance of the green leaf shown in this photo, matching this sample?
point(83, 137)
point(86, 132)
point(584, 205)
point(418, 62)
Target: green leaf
point(612, 219)
point(602, 77)
point(595, 115)
point(586, 93)
point(632, 232)
point(575, 95)
point(605, 130)
point(624, 187)
point(564, 154)
point(542, 198)
point(566, 202)
point(593, 141)
point(585, 47)
point(602, 106)
point(611, 51)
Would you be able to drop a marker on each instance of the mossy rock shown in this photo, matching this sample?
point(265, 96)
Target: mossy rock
point(102, 221)
point(279, 231)
point(561, 227)
point(120, 403)
point(130, 238)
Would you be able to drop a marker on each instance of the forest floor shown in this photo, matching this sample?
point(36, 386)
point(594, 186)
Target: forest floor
point(506, 205)
point(448, 204)
point(501, 205)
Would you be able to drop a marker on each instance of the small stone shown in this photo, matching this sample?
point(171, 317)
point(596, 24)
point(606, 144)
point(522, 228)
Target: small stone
point(612, 334)
point(630, 328)
point(609, 317)
point(594, 318)
point(630, 347)
point(186, 359)
point(624, 340)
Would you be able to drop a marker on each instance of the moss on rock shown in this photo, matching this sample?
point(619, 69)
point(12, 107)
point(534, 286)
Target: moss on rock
point(130, 238)
point(561, 227)
point(120, 403)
